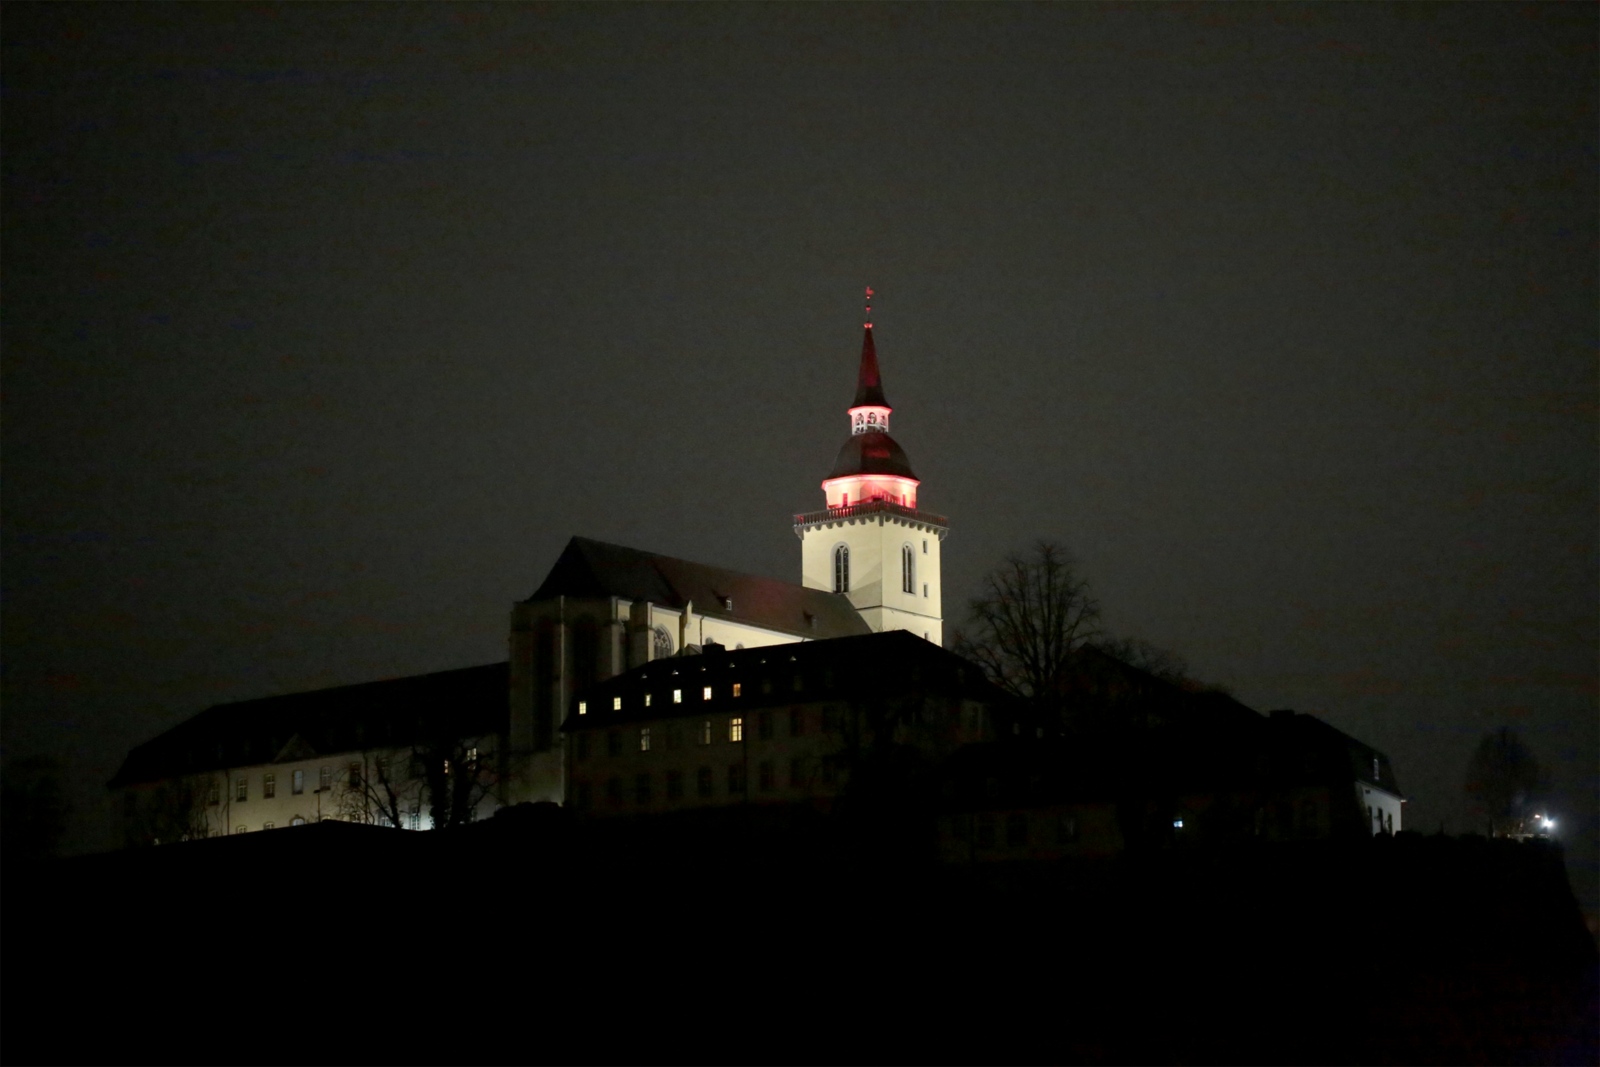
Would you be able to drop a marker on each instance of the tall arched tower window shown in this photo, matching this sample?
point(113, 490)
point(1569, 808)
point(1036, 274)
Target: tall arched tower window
point(841, 569)
point(908, 570)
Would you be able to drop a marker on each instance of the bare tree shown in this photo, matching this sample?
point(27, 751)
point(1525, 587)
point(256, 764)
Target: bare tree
point(1152, 659)
point(1503, 782)
point(180, 809)
point(1036, 611)
point(449, 778)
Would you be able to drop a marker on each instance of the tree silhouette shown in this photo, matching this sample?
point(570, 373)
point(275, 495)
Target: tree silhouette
point(1036, 611)
point(1503, 782)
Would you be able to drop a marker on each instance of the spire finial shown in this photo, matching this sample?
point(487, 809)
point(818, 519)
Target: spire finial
point(869, 307)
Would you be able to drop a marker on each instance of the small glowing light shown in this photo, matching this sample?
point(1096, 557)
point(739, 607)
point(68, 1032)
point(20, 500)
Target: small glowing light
point(1177, 824)
point(583, 707)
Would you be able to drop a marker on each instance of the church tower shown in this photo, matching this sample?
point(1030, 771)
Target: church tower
point(870, 543)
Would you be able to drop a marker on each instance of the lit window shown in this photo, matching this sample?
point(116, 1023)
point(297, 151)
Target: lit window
point(269, 786)
point(447, 766)
point(297, 784)
point(325, 779)
point(841, 569)
point(472, 754)
point(705, 694)
point(677, 696)
point(735, 729)
point(616, 703)
point(1177, 824)
point(647, 700)
point(705, 732)
point(735, 688)
point(298, 820)
point(583, 707)
point(644, 739)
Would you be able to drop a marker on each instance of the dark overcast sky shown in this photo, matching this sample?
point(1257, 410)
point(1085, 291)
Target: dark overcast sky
point(326, 326)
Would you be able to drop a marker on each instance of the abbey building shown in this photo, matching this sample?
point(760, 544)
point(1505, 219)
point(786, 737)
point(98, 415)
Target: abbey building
point(869, 563)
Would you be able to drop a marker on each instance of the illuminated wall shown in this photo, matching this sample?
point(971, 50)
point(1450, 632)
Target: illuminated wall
point(876, 540)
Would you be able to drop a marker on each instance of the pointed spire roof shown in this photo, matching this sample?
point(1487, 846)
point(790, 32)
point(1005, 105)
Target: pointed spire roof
point(869, 384)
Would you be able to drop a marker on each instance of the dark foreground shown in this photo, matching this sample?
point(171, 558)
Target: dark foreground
point(524, 940)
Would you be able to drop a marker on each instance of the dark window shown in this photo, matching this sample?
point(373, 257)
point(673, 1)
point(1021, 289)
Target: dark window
point(641, 789)
point(735, 778)
point(614, 743)
point(985, 831)
point(764, 726)
point(297, 782)
point(1066, 830)
point(704, 782)
point(674, 785)
point(1016, 829)
point(544, 680)
point(214, 790)
point(355, 776)
point(662, 642)
point(583, 746)
point(797, 772)
point(767, 778)
point(269, 785)
point(830, 719)
point(585, 654)
point(672, 735)
point(585, 796)
point(841, 569)
point(908, 573)
point(614, 790)
point(797, 722)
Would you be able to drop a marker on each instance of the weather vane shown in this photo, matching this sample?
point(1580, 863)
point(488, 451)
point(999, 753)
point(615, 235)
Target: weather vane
point(869, 307)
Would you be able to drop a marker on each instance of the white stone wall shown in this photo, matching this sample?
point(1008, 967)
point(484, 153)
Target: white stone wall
point(875, 541)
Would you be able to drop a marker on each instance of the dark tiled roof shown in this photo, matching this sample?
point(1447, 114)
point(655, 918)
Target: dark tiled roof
point(869, 383)
point(594, 569)
point(886, 665)
point(469, 702)
point(871, 453)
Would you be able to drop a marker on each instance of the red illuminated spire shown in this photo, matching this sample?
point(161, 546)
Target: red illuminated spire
point(869, 385)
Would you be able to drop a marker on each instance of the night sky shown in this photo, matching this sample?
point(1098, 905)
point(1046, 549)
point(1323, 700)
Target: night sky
point(325, 327)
